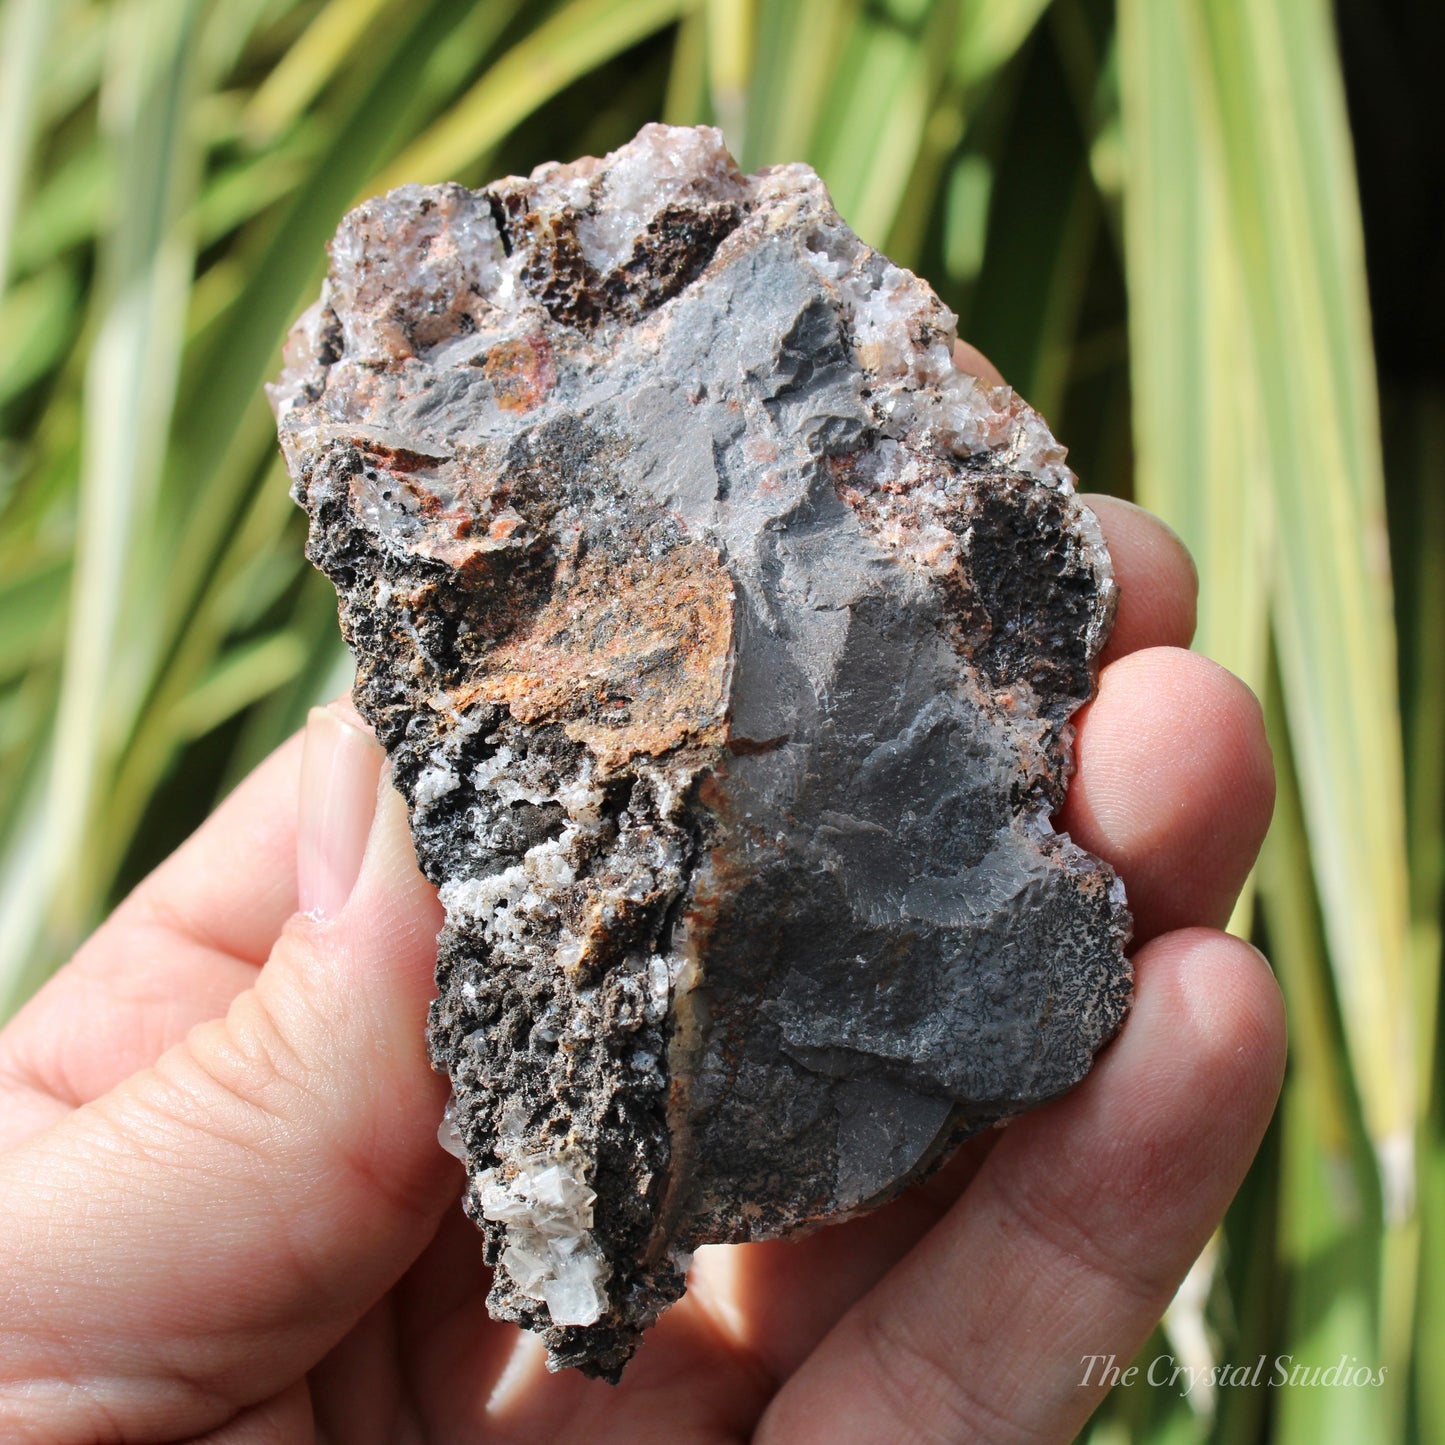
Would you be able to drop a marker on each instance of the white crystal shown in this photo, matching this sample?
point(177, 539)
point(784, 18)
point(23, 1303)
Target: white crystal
point(663, 167)
point(528, 1270)
point(561, 1191)
point(449, 1135)
point(500, 1204)
point(457, 259)
point(572, 1299)
point(659, 989)
point(435, 782)
point(550, 1253)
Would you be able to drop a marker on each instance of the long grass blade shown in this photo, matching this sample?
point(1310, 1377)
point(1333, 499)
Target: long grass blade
point(686, 101)
point(308, 66)
point(731, 44)
point(1294, 216)
point(37, 323)
point(798, 53)
point(1422, 609)
point(29, 606)
point(1330, 1219)
point(1332, 1260)
point(244, 676)
point(25, 27)
point(1197, 428)
point(73, 70)
point(579, 37)
point(1042, 236)
point(990, 33)
point(1197, 422)
point(130, 388)
point(1419, 462)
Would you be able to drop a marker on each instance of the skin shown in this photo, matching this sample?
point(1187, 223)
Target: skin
point(227, 1217)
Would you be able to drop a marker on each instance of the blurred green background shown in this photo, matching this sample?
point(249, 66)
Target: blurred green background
point(1147, 213)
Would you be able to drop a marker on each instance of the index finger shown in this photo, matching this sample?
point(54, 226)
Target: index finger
point(173, 954)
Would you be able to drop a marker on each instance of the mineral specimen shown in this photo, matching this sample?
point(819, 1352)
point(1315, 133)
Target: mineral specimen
point(724, 638)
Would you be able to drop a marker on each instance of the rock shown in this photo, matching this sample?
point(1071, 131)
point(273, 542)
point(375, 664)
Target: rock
point(724, 639)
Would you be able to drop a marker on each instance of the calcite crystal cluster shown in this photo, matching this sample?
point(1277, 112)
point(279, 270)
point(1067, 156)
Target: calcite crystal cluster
point(724, 638)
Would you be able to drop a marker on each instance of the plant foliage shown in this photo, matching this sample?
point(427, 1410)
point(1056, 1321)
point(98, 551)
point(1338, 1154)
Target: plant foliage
point(1145, 212)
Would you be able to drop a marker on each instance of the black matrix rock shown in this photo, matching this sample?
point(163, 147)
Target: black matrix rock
point(724, 638)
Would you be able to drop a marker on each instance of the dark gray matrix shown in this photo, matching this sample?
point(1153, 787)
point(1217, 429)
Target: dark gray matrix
point(724, 639)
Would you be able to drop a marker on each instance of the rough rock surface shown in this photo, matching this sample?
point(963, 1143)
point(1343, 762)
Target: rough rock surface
point(724, 639)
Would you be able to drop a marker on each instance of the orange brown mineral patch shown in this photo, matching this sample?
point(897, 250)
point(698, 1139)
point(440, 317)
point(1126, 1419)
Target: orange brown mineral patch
point(520, 372)
point(633, 660)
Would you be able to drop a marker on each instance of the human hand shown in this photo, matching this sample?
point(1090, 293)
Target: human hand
point(226, 1214)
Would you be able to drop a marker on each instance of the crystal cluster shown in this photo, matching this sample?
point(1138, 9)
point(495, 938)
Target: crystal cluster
point(724, 638)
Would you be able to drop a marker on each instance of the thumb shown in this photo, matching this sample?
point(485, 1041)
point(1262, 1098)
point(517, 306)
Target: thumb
point(194, 1240)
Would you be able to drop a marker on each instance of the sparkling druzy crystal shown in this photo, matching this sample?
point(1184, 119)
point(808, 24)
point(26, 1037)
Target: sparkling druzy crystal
point(724, 639)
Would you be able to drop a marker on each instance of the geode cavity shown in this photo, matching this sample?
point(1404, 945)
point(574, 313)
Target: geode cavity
point(724, 638)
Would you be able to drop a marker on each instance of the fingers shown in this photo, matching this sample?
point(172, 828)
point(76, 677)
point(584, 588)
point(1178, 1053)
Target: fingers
point(683, 1385)
point(1174, 786)
point(1074, 1234)
point(286, 1420)
point(180, 1249)
point(175, 953)
point(1158, 586)
point(232, 884)
point(189, 938)
point(340, 766)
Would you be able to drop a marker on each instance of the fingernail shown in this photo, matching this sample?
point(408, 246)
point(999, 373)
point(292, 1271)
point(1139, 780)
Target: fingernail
point(391, 885)
point(340, 765)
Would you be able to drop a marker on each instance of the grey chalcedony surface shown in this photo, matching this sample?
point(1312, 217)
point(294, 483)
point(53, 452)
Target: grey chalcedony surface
point(724, 639)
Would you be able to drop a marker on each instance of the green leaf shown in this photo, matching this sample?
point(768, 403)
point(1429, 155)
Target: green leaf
point(1197, 424)
point(238, 679)
point(1295, 229)
point(731, 44)
point(990, 34)
point(66, 209)
point(37, 318)
point(130, 385)
point(686, 102)
point(31, 614)
point(799, 48)
point(24, 37)
point(308, 66)
point(578, 38)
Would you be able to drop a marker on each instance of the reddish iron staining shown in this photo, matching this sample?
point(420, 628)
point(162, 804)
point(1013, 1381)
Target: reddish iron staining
point(521, 372)
point(631, 657)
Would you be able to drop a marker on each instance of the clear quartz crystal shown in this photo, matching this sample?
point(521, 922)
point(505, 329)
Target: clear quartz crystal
point(550, 1252)
point(573, 1297)
point(449, 1136)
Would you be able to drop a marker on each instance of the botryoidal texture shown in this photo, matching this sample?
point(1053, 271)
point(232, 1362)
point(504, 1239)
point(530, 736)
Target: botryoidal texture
point(724, 639)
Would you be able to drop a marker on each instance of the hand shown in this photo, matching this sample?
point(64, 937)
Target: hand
point(227, 1216)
